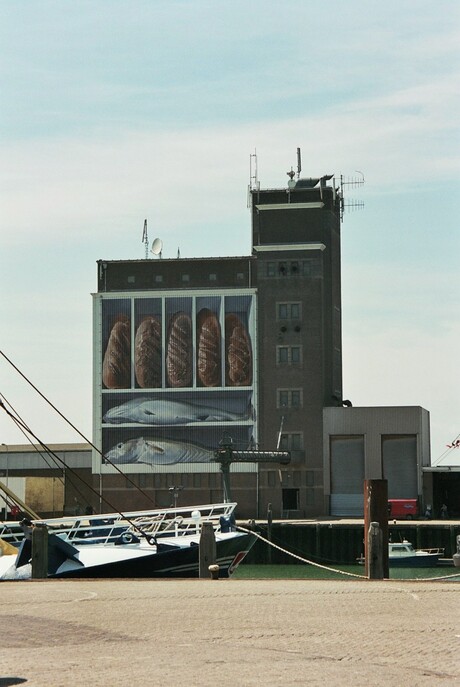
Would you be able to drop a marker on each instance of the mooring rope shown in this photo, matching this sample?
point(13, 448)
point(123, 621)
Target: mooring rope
point(340, 572)
point(300, 558)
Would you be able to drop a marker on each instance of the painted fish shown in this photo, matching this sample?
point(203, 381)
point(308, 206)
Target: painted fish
point(164, 412)
point(158, 452)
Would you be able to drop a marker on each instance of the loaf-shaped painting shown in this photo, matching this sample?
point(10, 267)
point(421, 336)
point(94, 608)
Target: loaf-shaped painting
point(238, 352)
point(116, 366)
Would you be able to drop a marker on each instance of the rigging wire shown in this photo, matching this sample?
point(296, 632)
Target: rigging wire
point(20, 424)
point(450, 447)
point(56, 457)
point(104, 458)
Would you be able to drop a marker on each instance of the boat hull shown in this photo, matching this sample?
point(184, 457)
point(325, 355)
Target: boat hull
point(428, 561)
point(167, 563)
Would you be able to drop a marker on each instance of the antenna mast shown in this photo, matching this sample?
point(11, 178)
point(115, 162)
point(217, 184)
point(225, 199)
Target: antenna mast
point(145, 240)
point(352, 182)
point(299, 163)
point(254, 183)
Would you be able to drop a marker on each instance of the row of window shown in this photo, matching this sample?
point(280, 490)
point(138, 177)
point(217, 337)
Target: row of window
point(186, 278)
point(212, 480)
point(289, 268)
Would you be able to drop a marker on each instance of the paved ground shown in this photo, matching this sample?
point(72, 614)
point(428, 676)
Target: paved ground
point(114, 633)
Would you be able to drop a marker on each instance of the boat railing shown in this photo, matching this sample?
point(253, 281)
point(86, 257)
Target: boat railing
point(11, 532)
point(108, 527)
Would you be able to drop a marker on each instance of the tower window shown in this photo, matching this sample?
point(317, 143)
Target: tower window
point(286, 355)
point(289, 398)
point(288, 311)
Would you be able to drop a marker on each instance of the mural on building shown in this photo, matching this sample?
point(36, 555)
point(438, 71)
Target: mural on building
point(175, 375)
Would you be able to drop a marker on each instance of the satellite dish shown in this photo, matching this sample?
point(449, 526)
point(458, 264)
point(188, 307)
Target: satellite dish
point(157, 247)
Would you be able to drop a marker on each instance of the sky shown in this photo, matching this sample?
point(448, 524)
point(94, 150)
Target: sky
point(113, 111)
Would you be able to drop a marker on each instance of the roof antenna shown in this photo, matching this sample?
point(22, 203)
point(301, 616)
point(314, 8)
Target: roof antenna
point(157, 247)
point(254, 183)
point(178, 252)
point(299, 163)
point(145, 240)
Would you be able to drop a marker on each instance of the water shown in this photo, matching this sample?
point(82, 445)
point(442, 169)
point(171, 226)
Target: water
point(310, 572)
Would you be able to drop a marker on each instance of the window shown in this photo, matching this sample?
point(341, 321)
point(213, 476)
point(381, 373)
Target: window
point(282, 311)
point(145, 481)
point(296, 398)
point(288, 311)
point(213, 277)
point(295, 354)
point(291, 441)
point(196, 480)
point(306, 268)
point(185, 277)
point(240, 276)
point(283, 354)
point(289, 398)
point(131, 280)
point(158, 277)
point(283, 399)
point(271, 269)
point(286, 355)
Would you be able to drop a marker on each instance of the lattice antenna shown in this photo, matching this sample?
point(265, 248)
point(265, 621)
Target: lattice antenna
point(352, 204)
point(254, 183)
point(145, 240)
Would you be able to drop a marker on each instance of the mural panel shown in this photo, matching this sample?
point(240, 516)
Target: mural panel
point(175, 376)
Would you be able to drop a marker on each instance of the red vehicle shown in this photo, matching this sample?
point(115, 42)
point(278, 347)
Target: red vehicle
point(403, 509)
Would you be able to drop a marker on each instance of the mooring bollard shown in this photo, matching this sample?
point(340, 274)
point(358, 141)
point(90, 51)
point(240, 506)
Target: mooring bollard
point(207, 553)
point(214, 571)
point(39, 552)
point(375, 552)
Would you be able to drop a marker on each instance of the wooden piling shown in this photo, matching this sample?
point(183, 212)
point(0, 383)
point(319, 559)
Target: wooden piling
point(376, 511)
point(207, 551)
point(375, 552)
point(39, 552)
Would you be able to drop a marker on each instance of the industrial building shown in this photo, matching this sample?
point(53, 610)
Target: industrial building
point(167, 333)
point(193, 354)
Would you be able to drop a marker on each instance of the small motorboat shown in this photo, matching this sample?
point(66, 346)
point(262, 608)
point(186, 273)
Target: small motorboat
point(403, 555)
point(157, 543)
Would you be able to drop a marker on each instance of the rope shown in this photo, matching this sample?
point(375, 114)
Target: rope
point(300, 558)
point(325, 567)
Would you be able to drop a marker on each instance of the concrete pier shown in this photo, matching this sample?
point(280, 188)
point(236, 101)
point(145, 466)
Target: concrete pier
point(234, 632)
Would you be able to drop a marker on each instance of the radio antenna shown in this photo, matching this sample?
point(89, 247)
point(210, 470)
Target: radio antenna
point(351, 182)
point(299, 163)
point(145, 240)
